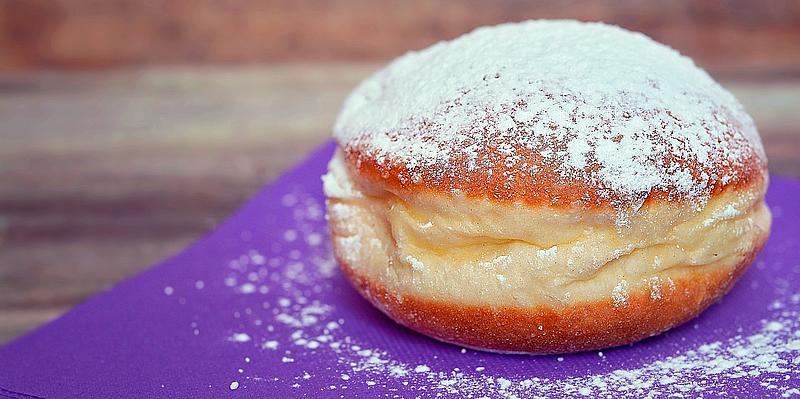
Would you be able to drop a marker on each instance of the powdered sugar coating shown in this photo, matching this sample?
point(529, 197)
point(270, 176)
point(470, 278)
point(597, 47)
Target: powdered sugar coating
point(559, 111)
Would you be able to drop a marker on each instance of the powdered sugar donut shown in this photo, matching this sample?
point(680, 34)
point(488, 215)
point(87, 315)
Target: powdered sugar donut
point(545, 187)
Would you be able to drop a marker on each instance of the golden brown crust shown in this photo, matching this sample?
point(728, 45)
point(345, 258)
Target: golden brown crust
point(579, 327)
point(545, 187)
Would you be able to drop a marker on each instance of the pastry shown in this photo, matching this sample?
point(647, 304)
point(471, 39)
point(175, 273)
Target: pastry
point(545, 187)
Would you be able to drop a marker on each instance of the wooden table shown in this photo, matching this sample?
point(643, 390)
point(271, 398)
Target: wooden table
point(103, 174)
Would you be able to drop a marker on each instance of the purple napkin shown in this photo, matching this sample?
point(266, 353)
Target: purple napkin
point(258, 308)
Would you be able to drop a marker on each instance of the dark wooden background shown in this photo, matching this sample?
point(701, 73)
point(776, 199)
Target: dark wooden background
point(129, 128)
point(725, 35)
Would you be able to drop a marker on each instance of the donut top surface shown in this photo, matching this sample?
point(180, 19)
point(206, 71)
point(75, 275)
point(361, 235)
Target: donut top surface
point(561, 113)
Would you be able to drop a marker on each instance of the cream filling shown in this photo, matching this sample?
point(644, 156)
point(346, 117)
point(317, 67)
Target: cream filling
point(478, 252)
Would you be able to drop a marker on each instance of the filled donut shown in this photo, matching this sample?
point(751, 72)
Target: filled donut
point(545, 187)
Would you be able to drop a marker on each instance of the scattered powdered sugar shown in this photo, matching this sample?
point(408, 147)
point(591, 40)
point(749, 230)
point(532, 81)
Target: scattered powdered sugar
point(422, 369)
point(272, 344)
point(655, 287)
point(549, 253)
point(415, 263)
point(247, 288)
point(498, 261)
point(772, 350)
point(599, 105)
point(619, 295)
point(730, 211)
point(294, 328)
point(240, 337)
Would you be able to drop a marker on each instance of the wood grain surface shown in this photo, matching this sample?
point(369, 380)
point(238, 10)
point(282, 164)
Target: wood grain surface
point(742, 35)
point(105, 173)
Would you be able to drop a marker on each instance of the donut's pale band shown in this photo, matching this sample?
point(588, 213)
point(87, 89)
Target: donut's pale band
point(480, 252)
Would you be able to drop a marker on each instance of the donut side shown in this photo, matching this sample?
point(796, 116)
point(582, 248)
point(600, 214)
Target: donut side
point(534, 279)
point(550, 330)
point(599, 195)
